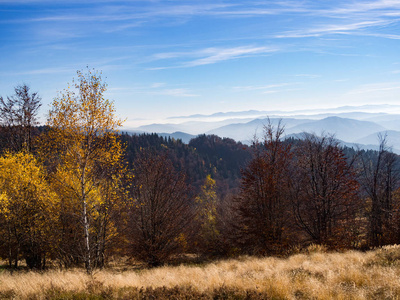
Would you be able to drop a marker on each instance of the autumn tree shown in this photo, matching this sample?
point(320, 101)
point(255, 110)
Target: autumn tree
point(18, 116)
point(263, 214)
point(27, 210)
point(83, 154)
point(161, 211)
point(379, 178)
point(207, 203)
point(325, 192)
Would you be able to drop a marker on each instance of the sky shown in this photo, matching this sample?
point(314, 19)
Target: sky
point(176, 58)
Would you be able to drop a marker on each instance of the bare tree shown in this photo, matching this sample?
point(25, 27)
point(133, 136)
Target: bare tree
point(325, 192)
point(262, 205)
point(19, 117)
point(379, 179)
point(162, 209)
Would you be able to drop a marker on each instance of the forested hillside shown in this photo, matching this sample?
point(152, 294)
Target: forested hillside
point(76, 192)
point(223, 159)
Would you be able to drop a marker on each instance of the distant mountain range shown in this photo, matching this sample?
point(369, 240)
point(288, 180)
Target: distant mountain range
point(348, 130)
point(245, 132)
point(385, 108)
point(351, 127)
point(392, 136)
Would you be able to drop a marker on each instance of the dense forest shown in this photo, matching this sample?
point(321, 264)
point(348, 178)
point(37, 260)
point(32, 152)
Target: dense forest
point(77, 192)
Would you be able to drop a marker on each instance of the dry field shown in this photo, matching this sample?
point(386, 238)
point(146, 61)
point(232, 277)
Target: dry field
point(313, 275)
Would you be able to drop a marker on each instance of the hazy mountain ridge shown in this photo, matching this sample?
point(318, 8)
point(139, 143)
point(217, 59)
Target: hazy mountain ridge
point(392, 136)
point(352, 127)
point(367, 109)
point(348, 130)
point(190, 127)
point(247, 131)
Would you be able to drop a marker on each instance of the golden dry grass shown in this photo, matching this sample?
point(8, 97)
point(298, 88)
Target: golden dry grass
point(317, 275)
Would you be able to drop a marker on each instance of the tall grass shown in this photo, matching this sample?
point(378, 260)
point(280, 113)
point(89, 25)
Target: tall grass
point(317, 275)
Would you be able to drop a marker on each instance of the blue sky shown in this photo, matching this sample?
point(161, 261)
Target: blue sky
point(168, 58)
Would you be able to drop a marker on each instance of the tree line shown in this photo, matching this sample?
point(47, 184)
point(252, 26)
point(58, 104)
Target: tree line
point(76, 192)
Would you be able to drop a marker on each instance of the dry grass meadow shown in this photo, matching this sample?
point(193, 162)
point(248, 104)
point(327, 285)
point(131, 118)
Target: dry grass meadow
point(311, 275)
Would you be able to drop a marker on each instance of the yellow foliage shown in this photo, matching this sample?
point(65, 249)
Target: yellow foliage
point(28, 207)
point(23, 185)
point(83, 137)
point(85, 154)
point(207, 213)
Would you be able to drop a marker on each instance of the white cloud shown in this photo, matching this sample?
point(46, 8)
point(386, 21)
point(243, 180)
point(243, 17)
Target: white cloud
point(375, 88)
point(268, 89)
point(175, 93)
point(43, 71)
point(214, 55)
point(308, 75)
point(158, 84)
point(126, 12)
point(364, 6)
point(157, 88)
point(386, 36)
point(334, 18)
point(261, 87)
point(333, 29)
point(270, 92)
point(211, 55)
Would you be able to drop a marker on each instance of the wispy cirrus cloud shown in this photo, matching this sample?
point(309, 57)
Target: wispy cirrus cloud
point(338, 17)
point(333, 29)
point(155, 89)
point(260, 87)
point(180, 92)
point(212, 55)
point(42, 71)
point(375, 88)
point(384, 35)
point(158, 84)
point(269, 88)
point(308, 75)
point(108, 11)
point(379, 7)
point(22, 2)
point(357, 17)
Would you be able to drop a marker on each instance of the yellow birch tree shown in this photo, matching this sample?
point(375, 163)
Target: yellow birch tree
point(85, 155)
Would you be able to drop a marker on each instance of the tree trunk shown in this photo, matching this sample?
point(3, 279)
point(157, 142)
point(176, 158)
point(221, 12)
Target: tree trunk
point(88, 264)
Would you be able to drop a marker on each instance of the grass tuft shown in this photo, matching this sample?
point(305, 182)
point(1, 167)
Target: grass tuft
point(313, 274)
